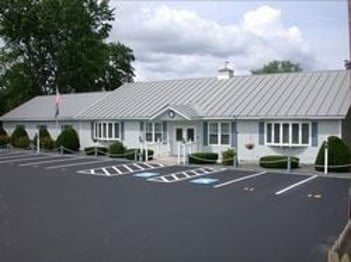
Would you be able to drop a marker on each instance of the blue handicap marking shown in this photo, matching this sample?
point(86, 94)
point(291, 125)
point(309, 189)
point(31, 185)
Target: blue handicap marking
point(147, 174)
point(204, 181)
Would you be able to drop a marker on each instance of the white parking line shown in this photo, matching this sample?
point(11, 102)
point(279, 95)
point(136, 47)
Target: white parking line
point(137, 166)
point(117, 170)
point(295, 185)
point(79, 164)
point(14, 153)
point(15, 156)
point(23, 159)
point(239, 179)
point(105, 171)
point(52, 161)
point(128, 168)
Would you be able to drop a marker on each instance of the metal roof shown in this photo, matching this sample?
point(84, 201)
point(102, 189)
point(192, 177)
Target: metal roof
point(303, 95)
point(42, 108)
point(186, 111)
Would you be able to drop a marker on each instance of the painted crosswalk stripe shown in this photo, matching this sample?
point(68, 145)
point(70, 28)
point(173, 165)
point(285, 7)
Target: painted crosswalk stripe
point(239, 179)
point(295, 185)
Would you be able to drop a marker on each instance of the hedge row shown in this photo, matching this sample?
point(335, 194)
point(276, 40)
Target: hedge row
point(277, 161)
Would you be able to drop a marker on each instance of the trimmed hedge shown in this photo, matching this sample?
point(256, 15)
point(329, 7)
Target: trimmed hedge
point(203, 158)
point(3, 132)
point(277, 161)
point(228, 156)
point(46, 142)
point(4, 140)
point(116, 150)
point(18, 133)
point(69, 140)
point(22, 142)
point(130, 154)
point(90, 151)
point(338, 155)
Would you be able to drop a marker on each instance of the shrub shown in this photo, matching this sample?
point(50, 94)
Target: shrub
point(116, 149)
point(4, 140)
point(278, 162)
point(203, 158)
point(3, 131)
point(69, 140)
point(339, 156)
point(130, 154)
point(22, 142)
point(228, 156)
point(100, 150)
point(17, 133)
point(46, 142)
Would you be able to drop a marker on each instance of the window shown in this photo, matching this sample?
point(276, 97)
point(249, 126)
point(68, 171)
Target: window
point(219, 133)
point(213, 132)
point(106, 131)
point(288, 134)
point(153, 131)
point(225, 133)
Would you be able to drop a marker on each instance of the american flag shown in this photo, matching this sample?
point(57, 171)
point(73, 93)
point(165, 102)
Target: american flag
point(58, 100)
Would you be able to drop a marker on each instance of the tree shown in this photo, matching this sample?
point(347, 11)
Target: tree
point(283, 66)
point(59, 43)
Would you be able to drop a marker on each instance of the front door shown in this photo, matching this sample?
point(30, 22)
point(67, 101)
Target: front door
point(185, 134)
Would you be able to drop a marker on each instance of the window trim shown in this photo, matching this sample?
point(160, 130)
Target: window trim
point(219, 133)
point(290, 131)
point(98, 132)
point(153, 132)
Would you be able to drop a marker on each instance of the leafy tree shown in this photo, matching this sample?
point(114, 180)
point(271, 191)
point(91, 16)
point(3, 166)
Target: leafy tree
point(283, 66)
point(59, 43)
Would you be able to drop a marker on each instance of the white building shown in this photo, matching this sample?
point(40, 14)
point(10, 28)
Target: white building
point(258, 115)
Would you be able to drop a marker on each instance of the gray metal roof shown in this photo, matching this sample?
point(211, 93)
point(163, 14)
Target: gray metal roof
point(186, 111)
point(42, 108)
point(303, 95)
point(324, 94)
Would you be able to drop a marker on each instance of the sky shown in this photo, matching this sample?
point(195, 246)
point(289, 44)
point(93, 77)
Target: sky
point(191, 39)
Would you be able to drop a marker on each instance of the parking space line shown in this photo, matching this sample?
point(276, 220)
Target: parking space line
point(174, 177)
point(16, 156)
point(239, 179)
point(79, 164)
point(128, 168)
point(295, 185)
point(50, 161)
point(23, 159)
point(14, 153)
point(137, 166)
point(117, 170)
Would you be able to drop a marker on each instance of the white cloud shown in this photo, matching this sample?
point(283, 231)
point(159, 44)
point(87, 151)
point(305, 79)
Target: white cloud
point(179, 43)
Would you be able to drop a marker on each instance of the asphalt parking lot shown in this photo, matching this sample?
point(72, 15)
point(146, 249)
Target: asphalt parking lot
point(73, 208)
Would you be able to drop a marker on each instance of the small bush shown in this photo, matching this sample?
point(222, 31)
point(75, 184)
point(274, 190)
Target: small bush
point(3, 131)
point(203, 158)
point(278, 162)
point(130, 154)
point(22, 142)
point(4, 140)
point(100, 151)
point(69, 140)
point(17, 133)
point(227, 157)
point(46, 142)
point(116, 150)
point(339, 156)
